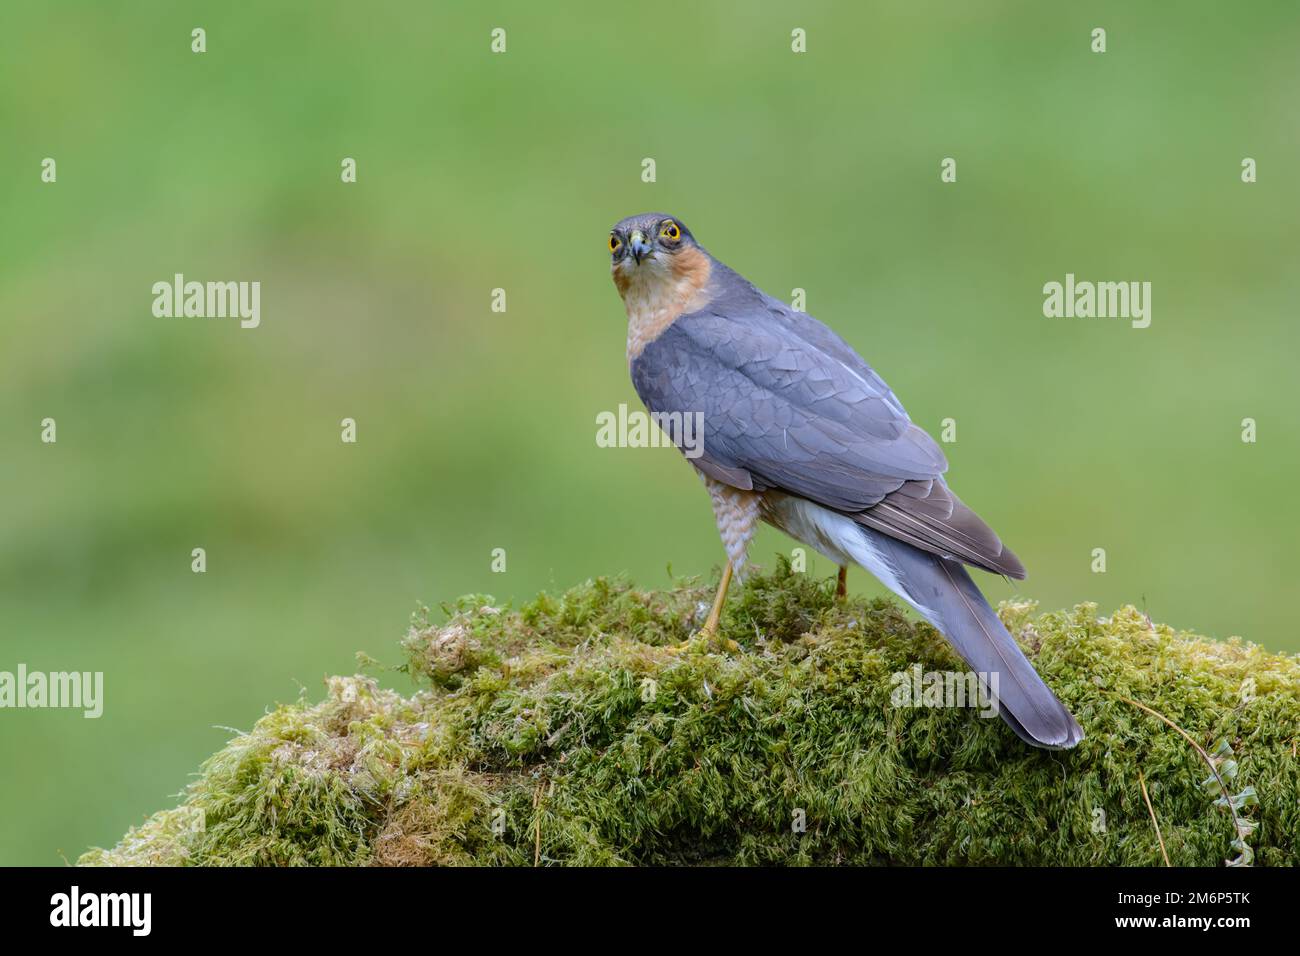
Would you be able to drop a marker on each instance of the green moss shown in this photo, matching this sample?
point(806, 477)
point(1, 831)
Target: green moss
point(571, 731)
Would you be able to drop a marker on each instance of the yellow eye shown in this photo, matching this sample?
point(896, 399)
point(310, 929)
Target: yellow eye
point(670, 231)
point(614, 243)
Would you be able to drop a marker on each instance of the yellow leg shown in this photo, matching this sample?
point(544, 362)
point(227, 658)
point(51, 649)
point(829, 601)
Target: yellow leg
point(710, 629)
point(842, 585)
point(711, 623)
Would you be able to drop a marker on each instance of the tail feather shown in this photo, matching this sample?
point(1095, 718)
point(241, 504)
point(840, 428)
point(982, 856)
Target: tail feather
point(944, 594)
point(941, 590)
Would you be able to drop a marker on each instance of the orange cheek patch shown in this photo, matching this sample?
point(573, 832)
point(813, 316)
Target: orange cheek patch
point(621, 280)
point(691, 266)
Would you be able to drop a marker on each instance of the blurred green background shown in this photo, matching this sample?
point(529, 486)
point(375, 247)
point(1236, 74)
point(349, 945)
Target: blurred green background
point(477, 429)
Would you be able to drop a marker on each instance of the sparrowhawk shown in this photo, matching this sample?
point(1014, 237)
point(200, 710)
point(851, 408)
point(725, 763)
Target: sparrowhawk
point(800, 432)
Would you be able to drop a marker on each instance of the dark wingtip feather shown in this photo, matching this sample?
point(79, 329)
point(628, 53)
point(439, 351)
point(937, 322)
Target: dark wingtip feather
point(1010, 565)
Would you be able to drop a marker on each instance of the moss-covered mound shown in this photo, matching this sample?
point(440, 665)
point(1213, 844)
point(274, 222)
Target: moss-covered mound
point(573, 731)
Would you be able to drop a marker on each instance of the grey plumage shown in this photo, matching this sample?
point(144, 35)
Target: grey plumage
point(794, 414)
point(942, 590)
point(788, 404)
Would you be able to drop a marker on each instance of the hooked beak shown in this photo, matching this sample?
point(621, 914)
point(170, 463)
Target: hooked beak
point(638, 246)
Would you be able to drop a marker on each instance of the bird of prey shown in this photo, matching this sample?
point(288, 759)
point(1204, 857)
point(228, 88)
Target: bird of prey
point(799, 431)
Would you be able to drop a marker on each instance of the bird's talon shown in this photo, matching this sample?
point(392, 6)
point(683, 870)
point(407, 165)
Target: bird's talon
point(713, 642)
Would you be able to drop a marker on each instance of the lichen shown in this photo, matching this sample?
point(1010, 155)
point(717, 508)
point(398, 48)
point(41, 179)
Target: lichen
point(575, 730)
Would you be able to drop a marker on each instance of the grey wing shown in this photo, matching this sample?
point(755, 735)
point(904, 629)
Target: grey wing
point(787, 404)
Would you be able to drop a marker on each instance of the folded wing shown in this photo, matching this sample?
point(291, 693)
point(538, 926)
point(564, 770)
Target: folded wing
point(787, 404)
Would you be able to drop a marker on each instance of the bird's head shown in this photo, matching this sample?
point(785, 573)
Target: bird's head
point(651, 251)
